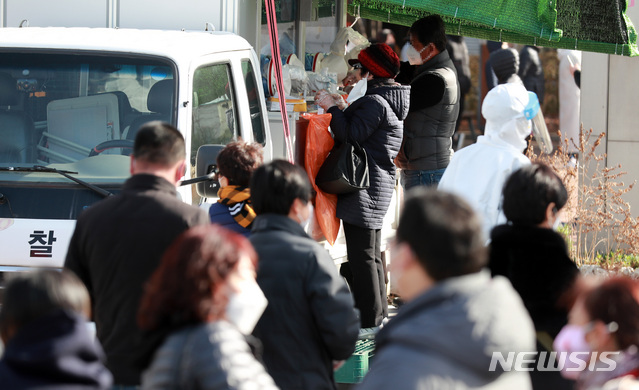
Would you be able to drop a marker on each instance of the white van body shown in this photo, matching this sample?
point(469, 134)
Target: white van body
point(77, 87)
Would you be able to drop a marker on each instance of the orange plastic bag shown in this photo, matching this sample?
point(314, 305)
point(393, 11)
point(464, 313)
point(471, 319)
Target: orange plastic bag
point(318, 144)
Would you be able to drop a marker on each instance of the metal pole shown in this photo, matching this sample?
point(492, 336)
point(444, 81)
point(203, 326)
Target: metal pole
point(113, 13)
point(340, 13)
point(3, 13)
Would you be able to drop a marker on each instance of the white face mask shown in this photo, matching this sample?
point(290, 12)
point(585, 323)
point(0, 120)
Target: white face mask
point(414, 57)
point(246, 306)
point(306, 222)
point(359, 90)
point(557, 223)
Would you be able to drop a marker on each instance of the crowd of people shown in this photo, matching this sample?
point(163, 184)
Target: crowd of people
point(242, 298)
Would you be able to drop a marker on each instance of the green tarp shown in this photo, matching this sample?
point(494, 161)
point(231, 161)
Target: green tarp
point(588, 25)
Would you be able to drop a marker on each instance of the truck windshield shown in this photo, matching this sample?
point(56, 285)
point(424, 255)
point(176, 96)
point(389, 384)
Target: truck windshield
point(63, 110)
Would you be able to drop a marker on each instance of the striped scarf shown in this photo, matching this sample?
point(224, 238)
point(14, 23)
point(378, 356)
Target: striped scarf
point(238, 200)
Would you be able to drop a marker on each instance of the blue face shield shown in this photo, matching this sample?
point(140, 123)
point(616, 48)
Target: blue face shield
point(533, 113)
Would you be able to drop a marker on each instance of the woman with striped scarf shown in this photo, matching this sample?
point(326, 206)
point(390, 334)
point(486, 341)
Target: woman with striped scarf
point(235, 163)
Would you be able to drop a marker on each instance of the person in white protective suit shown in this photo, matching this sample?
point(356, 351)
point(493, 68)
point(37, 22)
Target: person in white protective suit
point(569, 97)
point(479, 171)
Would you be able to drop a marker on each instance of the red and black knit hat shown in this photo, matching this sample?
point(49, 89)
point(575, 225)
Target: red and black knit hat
point(379, 59)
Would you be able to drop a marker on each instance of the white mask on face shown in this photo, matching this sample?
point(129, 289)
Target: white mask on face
point(557, 223)
point(246, 307)
point(359, 90)
point(305, 222)
point(414, 57)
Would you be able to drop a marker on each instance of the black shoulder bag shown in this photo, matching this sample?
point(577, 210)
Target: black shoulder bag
point(345, 169)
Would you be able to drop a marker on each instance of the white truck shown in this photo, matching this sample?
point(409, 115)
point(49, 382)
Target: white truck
point(71, 100)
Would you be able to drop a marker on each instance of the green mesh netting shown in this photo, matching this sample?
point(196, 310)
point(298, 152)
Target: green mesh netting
point(598, 26)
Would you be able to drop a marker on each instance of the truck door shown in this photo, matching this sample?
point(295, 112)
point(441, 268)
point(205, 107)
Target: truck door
point(228, 104)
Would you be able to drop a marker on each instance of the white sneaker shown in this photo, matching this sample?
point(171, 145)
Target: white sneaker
point(384, 322)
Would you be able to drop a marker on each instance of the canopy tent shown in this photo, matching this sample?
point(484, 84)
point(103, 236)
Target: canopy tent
point(588, 25)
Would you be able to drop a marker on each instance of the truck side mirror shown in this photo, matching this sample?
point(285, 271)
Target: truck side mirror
point(205, 164)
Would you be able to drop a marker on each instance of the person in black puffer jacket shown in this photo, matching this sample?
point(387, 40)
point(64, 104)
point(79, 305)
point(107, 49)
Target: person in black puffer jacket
point(374, 121)
point(534, 257)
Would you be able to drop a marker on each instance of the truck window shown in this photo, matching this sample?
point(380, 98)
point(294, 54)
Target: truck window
point(214, 119)
point(55, 108)
point(254, 101)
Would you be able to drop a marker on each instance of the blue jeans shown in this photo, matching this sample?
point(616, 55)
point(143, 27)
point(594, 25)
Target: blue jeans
point(414, 178)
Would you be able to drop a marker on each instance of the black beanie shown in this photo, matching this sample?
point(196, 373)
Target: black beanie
point(505, 63)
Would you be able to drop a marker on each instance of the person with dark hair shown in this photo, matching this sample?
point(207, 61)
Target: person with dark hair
point(505, 65)
point(204, 292)
point(478, 172)
point(427, 145)
point(373, 121)
point(43, 324)
point(118, 243)
point(310, 322)
point(458, 51)
point(235, 164)
point(527, 247)
point(455, 316)
point(531, 71)
point(604, 330)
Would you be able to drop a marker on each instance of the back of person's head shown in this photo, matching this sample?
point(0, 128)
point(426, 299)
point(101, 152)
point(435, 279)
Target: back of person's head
point(32, 295)
point(528, 192)
point(430, 29)
point(505, 63)
point(444, 233)
point(616, 300)
point(181, 290)
point(159, 143)
point(274, 187)
point(238, 160)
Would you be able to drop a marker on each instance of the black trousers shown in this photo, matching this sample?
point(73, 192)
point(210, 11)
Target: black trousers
point(364, 272)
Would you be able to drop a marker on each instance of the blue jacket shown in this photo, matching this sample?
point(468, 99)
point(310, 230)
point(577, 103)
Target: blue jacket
point(54, 352)
point(375, 122)
point(220, 214)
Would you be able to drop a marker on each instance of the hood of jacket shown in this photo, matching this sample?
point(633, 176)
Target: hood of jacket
point(397, 95)
point(503, 109)
point(55, 350)
point(464, 319)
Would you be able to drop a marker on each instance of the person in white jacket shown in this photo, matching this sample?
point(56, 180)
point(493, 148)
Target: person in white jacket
point(478, 172)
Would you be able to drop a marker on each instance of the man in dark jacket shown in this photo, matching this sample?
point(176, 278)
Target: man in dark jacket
point(434, 106)
point(119, 241)
point(310, 321)
point(456, 319)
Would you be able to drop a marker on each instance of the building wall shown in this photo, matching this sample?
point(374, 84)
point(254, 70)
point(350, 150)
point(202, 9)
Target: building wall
point(610, 104)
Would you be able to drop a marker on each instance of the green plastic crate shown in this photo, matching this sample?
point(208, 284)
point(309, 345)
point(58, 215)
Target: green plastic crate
point(356, 366)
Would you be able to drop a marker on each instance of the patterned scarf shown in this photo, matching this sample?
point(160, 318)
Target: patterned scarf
point(238, 200)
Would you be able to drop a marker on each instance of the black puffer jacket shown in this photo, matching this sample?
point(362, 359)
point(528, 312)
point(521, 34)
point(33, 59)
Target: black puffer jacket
point(434, 107)
point(375, 122)
point(536, 262)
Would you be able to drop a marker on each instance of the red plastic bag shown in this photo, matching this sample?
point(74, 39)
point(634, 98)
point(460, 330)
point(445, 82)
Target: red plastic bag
point(318, 144)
